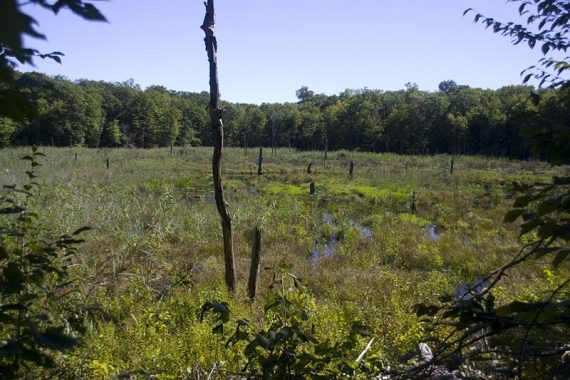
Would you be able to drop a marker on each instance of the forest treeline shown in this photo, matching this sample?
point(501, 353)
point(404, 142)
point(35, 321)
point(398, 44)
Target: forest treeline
point(455, 119)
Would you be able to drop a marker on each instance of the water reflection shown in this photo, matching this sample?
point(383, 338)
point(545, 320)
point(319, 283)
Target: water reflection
point(329, 246)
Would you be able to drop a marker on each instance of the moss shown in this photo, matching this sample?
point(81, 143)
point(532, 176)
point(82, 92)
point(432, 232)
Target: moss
point(285, 189)
point(413, 219)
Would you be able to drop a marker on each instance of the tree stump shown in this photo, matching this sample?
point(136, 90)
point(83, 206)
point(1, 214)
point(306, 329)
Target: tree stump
point(254, 266)
point(260, 162)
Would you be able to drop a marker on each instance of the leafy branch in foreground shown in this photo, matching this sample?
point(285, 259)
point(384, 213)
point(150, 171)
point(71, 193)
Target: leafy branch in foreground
point(476, 331)
point(33, 279)
point(289, 348)
point(548, 26)
point(520, 336)
point(15, 24)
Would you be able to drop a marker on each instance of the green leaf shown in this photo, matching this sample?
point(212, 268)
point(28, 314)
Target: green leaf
point(548, 206)
point(250, 348)
point(529, 226)
point(543, 251)
point(219, 329)
point(54, 338)
point(560, 257)
point(273, 300)
point(422, 309)
point(263, 341)
point(12, 210)
point(13, 278)
point(549, 229)
point(531, 42)
point(527, 78)
point(67, 241)
point(220, 308)
point(85, 10)
point(512, 215)
point(81, 230)
point(522, 201)
point(285, 333)
point(3, 253)
point(38, 357)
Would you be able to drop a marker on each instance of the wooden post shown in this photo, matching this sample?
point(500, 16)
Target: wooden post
point(254, 266)
point(107, 163)
point(452, 164)
point(75, 157)
point(312, 188)
point(326, 150)
point(260, 162)
point(273, 145)
point(351, 169)
point(309, 168)
point(218, 139)
point(171, 150)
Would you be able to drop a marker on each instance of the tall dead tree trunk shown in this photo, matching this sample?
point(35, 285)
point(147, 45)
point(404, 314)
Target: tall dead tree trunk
point(218, 139)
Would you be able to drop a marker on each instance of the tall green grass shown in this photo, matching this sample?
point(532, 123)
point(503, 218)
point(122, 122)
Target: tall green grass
point(155, 254)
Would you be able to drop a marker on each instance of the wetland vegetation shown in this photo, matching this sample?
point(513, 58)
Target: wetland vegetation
point(154, 256)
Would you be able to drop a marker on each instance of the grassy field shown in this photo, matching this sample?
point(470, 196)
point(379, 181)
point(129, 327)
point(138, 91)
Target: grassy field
point(401, 231)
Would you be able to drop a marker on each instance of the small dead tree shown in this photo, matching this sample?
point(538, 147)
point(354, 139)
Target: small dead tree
point(218, 138)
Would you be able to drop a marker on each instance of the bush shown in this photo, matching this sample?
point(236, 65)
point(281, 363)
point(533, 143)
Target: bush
point(33, 280)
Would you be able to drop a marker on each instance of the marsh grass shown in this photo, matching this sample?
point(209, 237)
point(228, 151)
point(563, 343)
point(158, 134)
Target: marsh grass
point(155, 255)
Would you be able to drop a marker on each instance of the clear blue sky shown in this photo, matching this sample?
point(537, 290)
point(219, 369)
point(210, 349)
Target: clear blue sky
point(269, 48)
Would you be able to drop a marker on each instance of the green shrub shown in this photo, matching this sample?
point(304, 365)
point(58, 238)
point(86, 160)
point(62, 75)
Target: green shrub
point(33, 279)
point(289, 347)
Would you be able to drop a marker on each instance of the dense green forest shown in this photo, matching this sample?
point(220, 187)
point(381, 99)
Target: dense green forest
point(455, 119)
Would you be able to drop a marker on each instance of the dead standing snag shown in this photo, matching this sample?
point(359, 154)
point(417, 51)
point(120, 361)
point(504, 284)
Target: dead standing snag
point(218, 139)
